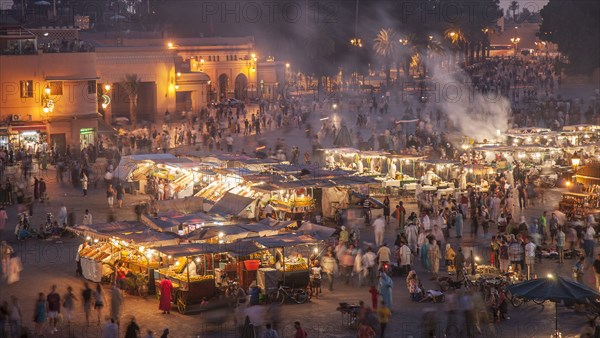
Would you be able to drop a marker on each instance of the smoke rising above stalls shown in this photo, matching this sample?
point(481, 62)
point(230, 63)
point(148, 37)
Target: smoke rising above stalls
point(474, 114)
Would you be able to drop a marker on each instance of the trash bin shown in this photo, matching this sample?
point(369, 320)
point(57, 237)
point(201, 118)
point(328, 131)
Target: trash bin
point(254, 295)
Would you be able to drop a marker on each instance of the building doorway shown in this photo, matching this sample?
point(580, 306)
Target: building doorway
point(223, 86)
point(241, 87)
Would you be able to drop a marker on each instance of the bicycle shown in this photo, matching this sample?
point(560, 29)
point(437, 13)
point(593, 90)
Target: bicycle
point(299, 296)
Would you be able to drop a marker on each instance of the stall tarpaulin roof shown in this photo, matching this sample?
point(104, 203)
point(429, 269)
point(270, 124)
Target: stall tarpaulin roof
point(163, 222)
point(231, 204)
point(128, 230)
point(128, 163)
point(285, 240)
point(319, 232)
point(345, 151)
point(232, 230)
point(275, 223)
point(243, 247)
point(193, 249)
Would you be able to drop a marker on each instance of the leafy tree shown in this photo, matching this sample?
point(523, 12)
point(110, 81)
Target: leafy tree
point(573, 26)
point(131, 83)
point(514, 7)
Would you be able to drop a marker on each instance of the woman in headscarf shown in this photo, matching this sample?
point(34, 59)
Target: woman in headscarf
point(434, 257)
point(385, 288)
point(449, 256)
point(412, 283)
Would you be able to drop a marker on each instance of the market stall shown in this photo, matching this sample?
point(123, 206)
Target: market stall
point(127, 245)
point(190, 267)
point(285, 260)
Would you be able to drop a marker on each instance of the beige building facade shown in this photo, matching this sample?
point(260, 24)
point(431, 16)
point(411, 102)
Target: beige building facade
point(58, 89)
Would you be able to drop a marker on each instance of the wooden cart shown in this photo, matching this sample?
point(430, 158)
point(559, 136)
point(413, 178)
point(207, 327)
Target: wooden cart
point(573, 205)
point(188, 293)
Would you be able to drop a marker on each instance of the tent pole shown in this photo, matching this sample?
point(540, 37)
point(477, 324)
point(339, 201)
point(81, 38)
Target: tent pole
point(556, 319)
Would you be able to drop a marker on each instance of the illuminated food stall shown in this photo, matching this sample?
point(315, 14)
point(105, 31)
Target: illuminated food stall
point(126, 244)
point(190, 267)
point(285, 259)
point(402, 170)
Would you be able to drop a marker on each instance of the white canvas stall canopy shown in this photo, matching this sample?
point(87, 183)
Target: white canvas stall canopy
point(129, 163)
point(233, 205)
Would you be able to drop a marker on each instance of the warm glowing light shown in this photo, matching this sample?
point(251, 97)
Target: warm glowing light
point(104, 105)
point(198, 260)
point(88, 238)
point(287, 65)
point(106, 87)
point(170, 45)
point(46, 110)
point(477, 258)
point(452, 34)
point(316, 250)
point(169, 256)
point(178, 74)
point(47, 90)
point(96, 240)
point(176, 87)
point(334, 106)
point(551, 276)
point(253, 56)
point(201, 60)
point(568, 184)
point(575, 161)
point(221, 234)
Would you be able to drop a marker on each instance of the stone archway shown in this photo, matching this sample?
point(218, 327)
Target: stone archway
point(223, 86)
point(241, 87)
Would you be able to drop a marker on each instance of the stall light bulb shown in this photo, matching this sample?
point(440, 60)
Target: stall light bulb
point(221, 242)
point(198, 260)
point(88, 238)
point(96, 240)
point(221, 234)
point(477, 258)
point(169, 257)
point(316, 250)
point(177, 263)
point(142, 248)
point(148, 255)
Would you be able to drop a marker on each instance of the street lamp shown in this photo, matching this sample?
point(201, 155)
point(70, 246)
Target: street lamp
point(515, 41)
point(107, 87)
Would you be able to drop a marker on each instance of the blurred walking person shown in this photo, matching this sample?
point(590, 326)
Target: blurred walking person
point(69, 304)
point(86, 297)
point(99, 301)
point(53, 300)
point(116, 301)
point(40, 315)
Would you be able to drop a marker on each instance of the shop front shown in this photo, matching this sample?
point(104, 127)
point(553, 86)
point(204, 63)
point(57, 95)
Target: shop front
point(29, 137)
point(87, 136)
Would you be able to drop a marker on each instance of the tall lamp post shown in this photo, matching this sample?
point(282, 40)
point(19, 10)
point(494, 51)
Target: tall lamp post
point(515, 41)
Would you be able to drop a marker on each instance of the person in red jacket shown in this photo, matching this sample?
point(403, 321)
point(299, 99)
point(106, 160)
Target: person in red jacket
point(300, 333)
point(374, 295)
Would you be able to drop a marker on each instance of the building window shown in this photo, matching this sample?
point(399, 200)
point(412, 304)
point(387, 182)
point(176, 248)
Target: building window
point(218, 58)
point(27, 88)
point(56, 88)
point(91, 87)
point(209, 58)
point(235, 57)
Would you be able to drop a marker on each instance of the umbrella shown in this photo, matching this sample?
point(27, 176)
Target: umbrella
point(557, 289)
point(41, 3)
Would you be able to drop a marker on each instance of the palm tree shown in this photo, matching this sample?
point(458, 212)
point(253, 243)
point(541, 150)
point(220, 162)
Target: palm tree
point(131, 84)
point(385, 46)
point(514, 6)
point(320, 45)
